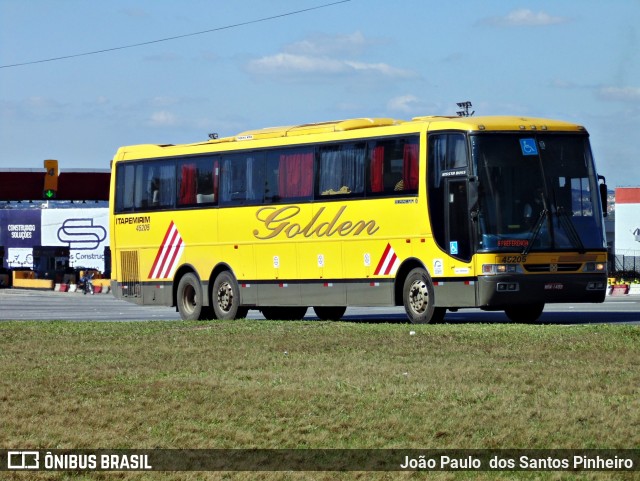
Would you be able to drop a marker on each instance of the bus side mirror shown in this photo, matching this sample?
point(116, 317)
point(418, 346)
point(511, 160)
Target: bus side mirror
point(603, 194)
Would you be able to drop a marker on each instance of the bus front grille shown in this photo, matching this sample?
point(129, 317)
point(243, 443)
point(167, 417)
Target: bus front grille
point(552, 267)
point(130, 274)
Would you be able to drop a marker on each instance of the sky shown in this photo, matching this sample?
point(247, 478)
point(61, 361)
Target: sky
point(260, 64)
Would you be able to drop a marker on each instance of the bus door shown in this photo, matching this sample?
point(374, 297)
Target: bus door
point(457, 232)
point(448, 193)
point(448, 200)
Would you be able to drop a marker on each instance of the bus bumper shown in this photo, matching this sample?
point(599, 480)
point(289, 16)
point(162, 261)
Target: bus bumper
point(496, 292)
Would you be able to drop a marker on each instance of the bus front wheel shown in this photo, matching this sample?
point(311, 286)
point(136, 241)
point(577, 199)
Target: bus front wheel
point(418, 298)
point(189, 298)
point(225, 298)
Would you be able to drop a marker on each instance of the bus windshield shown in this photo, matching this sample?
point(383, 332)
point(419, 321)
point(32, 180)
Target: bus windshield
point(535, 192)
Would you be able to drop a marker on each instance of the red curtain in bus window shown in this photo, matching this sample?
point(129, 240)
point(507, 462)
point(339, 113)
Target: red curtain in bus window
point(296, 175)
point(188, 187)
point(377, 169)
point(410, 167)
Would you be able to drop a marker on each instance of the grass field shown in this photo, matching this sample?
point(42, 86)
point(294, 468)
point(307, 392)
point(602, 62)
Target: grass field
point(260, 384)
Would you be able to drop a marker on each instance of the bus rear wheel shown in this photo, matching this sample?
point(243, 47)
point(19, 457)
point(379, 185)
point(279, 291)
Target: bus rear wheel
point(284, 313)
point(189, 298)
point(525, 314)
point(418, 298)
point(330, 313)
point(225, 298)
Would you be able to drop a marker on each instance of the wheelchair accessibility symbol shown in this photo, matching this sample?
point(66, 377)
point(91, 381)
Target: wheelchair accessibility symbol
point(528, 147)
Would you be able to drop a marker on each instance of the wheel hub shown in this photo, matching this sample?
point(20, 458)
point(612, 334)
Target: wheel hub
point(190, 298)
point(419, 297)
point(225, 296)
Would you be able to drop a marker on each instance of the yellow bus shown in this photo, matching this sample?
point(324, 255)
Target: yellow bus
point(434, 213)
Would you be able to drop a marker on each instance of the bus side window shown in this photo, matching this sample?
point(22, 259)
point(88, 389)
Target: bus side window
point(205, 191)
point(341, 170)
point(295, 174)
point(196, 182)
point(288, 175)
point(254, 167)
point(271, 191)
point(188, 183)
point(393, 166)
point(164, 176)
point(242, 179)
point(125, 177)
point(141, 188)
point(154, 185)
point(231, 181)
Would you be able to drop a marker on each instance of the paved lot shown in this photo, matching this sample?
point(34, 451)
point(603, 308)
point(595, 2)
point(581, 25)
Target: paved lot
point(17, 304)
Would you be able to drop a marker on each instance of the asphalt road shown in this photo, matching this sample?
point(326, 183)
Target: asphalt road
point(17, 304)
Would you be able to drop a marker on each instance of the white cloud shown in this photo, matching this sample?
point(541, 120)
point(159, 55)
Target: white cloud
point(523, 17)
point(350, 44)
point(381, 68)
point(34, 108)
point(619, 94)
point(325, 55)
point(162, 118)
point(41, 103)
point(607, 93)
point(563, 84)
point(286, 63)
point(404, 104)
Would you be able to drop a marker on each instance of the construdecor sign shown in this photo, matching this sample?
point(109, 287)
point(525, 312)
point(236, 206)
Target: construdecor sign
point(84, 231)
point(19, 233)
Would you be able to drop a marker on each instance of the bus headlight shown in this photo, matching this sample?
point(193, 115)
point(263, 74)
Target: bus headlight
point(493, 269)
point(595, 267)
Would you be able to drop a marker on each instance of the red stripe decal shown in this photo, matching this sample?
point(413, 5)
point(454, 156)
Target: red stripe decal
point(387, 271)
point(382, 259)
point(158, 255)
point(166, 249)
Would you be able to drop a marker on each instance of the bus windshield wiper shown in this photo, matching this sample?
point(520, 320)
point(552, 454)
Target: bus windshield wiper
point(537, 228)
point(574, 237)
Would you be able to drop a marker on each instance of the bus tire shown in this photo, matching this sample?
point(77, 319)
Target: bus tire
point(225, 298)
point(189, 297)
point(526, 314)
point(418, 298)
point(284, 313)
point(330, 313)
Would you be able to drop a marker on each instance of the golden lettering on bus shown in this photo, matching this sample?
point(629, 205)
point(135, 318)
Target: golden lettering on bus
point(282, 221)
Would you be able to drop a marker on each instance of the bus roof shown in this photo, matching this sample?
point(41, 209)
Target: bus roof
point(430, 123)
point(498, 123)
